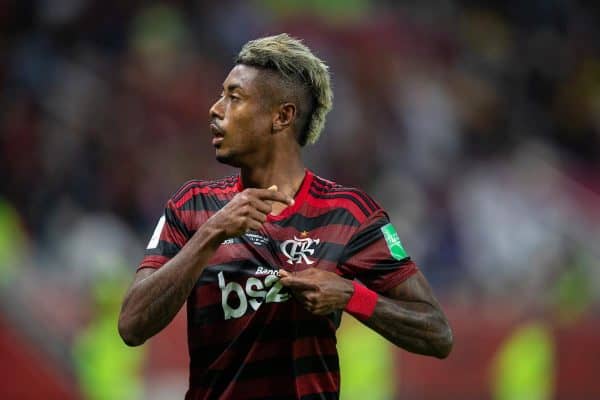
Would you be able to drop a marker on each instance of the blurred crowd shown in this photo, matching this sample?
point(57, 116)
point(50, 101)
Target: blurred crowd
point(476, 126)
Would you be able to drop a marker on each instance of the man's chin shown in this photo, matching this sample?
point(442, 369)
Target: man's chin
point(225, 158)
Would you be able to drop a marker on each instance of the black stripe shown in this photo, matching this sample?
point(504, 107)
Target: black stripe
point(314, 396)
point(338, 188)
point(285, 366)
point(382, 267)
point(323, 182)
point(339, 216)
point(322, 396)
point(203, 202)
point(164, 248)
point(341, 196)
point(223, 183)
point(368, 201)
point(363, 239)
point(186, 187)
point(175, 223)
point(204, 315)
point(266, 332)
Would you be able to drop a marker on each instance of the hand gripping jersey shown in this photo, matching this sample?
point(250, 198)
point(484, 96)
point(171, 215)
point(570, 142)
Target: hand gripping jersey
point(247, 337)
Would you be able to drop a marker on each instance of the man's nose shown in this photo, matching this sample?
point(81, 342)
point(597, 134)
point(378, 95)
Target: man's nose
point(216, 111)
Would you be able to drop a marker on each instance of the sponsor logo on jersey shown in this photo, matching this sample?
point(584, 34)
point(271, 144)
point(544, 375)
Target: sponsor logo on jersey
point(393, 242)
point(266, 271)
point(298, 250)
point(237, 299)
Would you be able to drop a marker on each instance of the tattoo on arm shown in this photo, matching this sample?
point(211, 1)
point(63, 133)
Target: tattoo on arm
point(410, 317)
point(165, 303)
point(156, 296)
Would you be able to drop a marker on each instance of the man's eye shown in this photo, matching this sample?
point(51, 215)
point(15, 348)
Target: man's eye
point(234, 98)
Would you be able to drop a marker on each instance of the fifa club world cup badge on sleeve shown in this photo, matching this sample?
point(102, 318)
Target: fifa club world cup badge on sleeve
point(393, 242)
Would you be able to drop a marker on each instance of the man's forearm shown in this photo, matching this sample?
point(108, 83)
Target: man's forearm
point(418, 327)
point(153, 302)
point(408, 314)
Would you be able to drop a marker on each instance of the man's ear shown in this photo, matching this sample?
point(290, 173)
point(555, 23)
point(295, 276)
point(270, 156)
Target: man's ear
point(284, 116)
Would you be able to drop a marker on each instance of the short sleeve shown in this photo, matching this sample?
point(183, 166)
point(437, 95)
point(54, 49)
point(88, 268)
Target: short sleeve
point(375, 256)
point(168, 238)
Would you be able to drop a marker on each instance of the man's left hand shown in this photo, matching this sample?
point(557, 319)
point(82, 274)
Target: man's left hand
point(320, 292)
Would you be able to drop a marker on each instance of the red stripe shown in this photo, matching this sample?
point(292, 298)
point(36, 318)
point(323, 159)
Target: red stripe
point(193, 219)
point(154, 261)
point(186, 186)
point(303, 347)
point(227, 181)
point(171, 233)
point(267, 386)
point(204, 190)
point(340, 194)
point(317, 383)
point(407, 270)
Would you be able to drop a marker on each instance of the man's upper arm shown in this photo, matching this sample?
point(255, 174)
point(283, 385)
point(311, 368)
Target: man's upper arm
point(139, 276)
point(413, 289)
point(375, 256)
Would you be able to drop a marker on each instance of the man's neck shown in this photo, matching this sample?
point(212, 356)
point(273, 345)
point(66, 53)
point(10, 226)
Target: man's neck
point(287, 176)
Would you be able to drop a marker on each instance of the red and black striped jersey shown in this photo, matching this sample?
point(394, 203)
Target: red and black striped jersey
point(247, 337)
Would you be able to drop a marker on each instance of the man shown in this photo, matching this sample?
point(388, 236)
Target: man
point(267, 260)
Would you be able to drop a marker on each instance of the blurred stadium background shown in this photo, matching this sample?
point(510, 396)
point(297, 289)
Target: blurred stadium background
point(476, 126)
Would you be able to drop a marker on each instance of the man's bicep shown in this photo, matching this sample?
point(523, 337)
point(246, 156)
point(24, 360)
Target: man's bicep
point(414, 289)
point(140, 275)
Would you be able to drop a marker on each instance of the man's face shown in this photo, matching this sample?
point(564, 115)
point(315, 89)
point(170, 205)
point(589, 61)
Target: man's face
point(241, 120)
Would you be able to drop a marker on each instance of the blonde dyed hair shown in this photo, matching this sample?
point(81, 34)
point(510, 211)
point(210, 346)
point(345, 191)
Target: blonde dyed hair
point(295, 63)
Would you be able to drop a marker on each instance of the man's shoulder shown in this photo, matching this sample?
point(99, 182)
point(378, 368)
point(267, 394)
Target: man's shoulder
point(204, 187)
point(353, 198)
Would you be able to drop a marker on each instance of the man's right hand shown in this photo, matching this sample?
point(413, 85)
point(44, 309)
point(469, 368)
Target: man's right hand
point(247, 210)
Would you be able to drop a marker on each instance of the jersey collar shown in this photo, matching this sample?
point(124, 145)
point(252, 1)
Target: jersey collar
point(299, 198)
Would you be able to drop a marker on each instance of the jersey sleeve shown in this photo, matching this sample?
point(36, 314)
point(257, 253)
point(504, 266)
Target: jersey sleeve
point(375, 256)
point(168, 238)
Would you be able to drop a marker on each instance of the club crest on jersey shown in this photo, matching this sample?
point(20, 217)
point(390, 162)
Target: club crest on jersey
point(298, 250)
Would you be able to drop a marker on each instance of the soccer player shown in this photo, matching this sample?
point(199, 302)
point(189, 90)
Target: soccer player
point(268, 260)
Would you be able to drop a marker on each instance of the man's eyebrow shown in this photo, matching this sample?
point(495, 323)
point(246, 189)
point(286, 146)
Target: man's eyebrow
point(232, 86)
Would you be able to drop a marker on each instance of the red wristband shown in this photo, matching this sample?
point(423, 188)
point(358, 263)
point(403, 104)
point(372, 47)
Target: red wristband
point(363, 302)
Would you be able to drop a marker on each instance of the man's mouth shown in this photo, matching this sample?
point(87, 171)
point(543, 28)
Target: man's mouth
point(218, 134)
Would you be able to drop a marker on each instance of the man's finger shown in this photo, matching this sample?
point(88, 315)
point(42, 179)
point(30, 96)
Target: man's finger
point(292, 282)
point(273, 195)
point(283, 273)
point(258, 216)
point(262, 206)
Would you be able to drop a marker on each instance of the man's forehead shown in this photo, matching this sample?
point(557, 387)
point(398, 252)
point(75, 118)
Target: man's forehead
point(244, 76)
